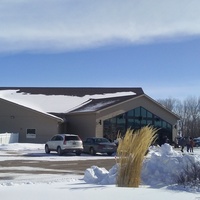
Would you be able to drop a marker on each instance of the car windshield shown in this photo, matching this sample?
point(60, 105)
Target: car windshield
point(99, 140)
point(71, 137)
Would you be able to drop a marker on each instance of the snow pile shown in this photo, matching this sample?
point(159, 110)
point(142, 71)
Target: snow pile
point(101, 175)
point(21, 147)
point(161, 167)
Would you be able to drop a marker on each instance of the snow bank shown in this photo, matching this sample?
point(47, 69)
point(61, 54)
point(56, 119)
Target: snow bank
point(21, 147)
point(161, 167)
point(101, 175)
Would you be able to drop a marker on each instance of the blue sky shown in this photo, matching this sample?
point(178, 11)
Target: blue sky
point(110, 43)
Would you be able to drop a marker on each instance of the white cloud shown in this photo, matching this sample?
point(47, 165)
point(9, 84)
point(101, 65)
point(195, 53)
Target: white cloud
point(70, 24)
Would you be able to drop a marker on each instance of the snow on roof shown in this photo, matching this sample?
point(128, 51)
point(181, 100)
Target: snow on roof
point(95, 107)
point(54, 103)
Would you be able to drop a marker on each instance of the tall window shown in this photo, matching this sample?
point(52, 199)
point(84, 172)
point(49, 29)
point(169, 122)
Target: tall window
point(136, 119)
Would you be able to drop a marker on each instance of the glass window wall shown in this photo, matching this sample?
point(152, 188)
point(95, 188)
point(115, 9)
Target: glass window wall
point(136, 119)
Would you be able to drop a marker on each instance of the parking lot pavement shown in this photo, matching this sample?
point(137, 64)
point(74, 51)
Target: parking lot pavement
point(53, 167)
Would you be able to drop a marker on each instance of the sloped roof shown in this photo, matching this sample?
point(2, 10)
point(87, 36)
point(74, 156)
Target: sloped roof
point(34, 110)
point(74, 91)
point(65, 100)
point(98, 104)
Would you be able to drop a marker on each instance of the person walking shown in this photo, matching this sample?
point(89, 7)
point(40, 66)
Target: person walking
point(191, 145)
point(188, 143)
point(182, 143)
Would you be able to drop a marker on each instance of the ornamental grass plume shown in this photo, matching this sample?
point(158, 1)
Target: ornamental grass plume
point(131, 151)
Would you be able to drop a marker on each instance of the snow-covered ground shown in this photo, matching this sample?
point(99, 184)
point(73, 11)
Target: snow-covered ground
point(159, 169)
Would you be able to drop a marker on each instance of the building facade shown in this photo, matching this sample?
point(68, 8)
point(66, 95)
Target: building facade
point(133, 113)
point(99, 112)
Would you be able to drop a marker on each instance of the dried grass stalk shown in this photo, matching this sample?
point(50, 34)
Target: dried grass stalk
point(131, 151)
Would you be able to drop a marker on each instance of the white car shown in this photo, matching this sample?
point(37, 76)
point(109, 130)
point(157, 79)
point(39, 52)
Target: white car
point(64, 143)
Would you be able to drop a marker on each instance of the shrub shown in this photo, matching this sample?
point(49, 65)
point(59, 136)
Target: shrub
point(189, 175)
point(131, 151)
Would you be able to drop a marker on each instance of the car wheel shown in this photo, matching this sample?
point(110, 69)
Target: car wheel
point(59, 151)
point(47, 149)
point(78, 153)
point(92, 151)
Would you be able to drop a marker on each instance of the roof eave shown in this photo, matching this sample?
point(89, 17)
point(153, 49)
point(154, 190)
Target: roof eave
point(163, 107)
point(37, 111)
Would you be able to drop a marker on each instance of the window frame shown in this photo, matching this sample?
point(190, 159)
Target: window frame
point(31, 133)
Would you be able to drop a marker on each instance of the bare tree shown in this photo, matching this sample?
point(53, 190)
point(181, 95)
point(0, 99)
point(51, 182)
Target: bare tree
point(189, 113)
point(172, 104)
point(168, 103)
point(191, 116)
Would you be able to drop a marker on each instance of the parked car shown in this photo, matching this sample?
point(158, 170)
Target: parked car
point(196, 142)
point(93, 145)
point(64, 143)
